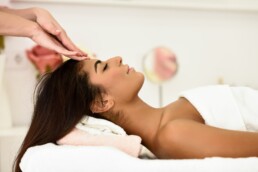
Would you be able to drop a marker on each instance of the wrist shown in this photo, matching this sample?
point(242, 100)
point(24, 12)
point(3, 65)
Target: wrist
point(34, 13)
point(38, 12)
point(34, 30)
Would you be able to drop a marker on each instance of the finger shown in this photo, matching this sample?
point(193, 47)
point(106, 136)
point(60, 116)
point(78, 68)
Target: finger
point(57, 33)
point(49, 41)
point(62, 38)
point(79, 58)
point(65, 52)
point(66, 41)
point(51, 28)
point(68, 53)
point(58, 47)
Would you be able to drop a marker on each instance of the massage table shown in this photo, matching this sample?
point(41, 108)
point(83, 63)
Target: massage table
point(56, 158)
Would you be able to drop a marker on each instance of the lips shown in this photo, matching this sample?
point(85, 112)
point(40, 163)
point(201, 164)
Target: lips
point(127, 69)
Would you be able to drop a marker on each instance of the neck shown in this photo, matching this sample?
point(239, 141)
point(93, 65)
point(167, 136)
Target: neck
point(138, 118)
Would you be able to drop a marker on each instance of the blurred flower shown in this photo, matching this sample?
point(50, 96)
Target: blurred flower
point(45, 60)
point(165, 64)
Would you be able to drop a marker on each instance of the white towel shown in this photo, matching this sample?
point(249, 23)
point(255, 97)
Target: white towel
point(226, 107)
point(247, 101)
point(97, 126)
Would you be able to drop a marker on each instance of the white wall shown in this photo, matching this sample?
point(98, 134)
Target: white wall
point(209, 45)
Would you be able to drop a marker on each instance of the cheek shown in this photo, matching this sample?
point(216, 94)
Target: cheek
point(116, 74)
point(111, 79)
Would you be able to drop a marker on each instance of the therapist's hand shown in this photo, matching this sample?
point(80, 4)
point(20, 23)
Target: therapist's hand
point(53, 36)
point(46, 40)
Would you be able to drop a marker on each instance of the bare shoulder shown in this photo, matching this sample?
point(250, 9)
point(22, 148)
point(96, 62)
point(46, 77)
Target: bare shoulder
point(181, 109)
point(184, 138)
point(171, 137)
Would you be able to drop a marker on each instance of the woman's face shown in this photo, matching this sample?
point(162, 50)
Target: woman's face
point(119, 80)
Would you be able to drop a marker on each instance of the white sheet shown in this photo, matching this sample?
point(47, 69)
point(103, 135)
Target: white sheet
point(227, 107)
point(52, 158)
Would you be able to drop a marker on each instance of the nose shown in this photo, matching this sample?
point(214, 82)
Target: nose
point(117, 60)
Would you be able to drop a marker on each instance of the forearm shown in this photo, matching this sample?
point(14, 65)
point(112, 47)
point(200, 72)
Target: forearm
point(29, 13)
point(13, 25)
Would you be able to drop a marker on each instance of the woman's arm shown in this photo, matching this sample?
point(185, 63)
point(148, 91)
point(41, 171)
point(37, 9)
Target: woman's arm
point(28, 13)
point(39, 25)
point(13, 25)
point(184, 138)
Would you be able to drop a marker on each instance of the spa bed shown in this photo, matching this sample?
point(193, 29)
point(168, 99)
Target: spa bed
point(53, 158)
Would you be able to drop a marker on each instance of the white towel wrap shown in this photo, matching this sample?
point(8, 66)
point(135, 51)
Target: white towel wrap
point(247, 101)
point(226, 107)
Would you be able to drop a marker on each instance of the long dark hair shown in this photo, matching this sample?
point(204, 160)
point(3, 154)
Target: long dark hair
point(63, 97)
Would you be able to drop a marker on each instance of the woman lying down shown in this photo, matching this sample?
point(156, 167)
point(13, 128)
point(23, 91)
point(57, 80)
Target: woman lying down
point(204, 122)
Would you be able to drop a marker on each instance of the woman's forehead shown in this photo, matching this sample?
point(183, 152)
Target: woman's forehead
point(88, 64)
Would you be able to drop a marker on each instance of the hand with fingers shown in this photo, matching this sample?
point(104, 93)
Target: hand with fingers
point(53, 36)
point(39, 25)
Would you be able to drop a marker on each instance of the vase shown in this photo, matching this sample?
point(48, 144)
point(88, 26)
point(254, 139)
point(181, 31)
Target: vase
point(5, 112)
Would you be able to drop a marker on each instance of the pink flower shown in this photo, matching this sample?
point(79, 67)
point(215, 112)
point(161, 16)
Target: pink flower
point(45, 60)
point(165, 64)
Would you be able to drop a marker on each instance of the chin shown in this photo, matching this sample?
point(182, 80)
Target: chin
point(141, 79)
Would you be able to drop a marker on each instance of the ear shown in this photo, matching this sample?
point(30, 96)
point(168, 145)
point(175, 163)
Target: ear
point(99, 106)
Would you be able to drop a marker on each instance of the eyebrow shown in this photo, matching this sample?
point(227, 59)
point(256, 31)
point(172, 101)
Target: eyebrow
point(96, 65)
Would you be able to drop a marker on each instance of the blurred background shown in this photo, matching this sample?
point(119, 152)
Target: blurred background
point(215, 42)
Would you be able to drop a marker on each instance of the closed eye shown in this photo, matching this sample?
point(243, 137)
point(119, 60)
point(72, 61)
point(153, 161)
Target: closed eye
point(105, 67)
